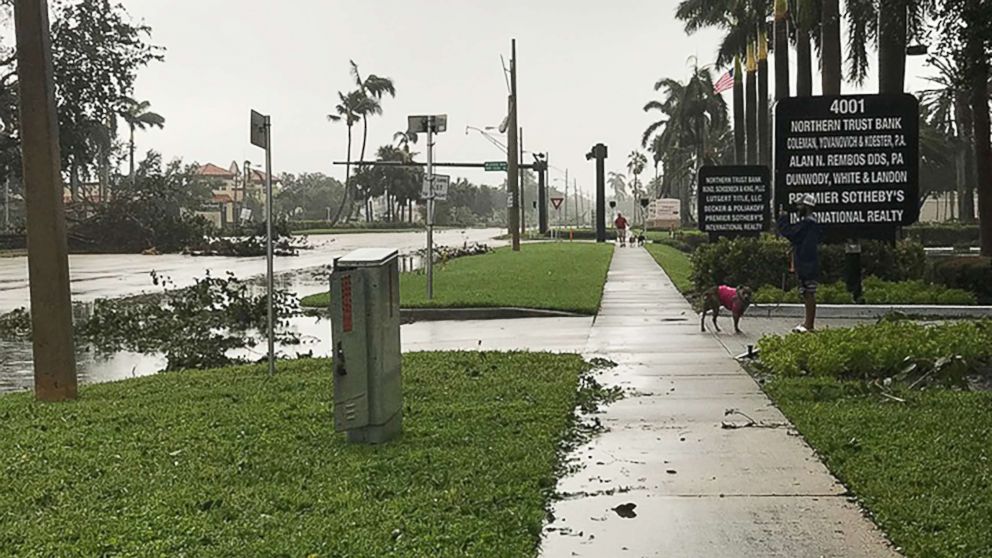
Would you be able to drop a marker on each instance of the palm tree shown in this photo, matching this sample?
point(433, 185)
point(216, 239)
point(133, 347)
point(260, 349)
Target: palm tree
point(618, 183)
point(349, 111)
point(138, 117)
point(374, 88)
point(694, 117)
point(945, 108)
point(636, 162)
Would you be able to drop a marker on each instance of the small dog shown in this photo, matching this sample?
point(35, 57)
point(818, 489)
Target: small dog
point(736, 300)
point(640, 240)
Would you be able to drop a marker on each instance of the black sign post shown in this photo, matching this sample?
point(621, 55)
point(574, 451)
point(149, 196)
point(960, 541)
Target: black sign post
point(858, 155)
point(734, 200)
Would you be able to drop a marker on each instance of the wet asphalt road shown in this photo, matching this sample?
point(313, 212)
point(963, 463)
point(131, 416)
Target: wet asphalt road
point(110, 276)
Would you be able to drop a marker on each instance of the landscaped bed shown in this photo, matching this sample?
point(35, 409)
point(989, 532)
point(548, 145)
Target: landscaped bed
point(879, 404)
point(551, 276)
point(232, 462)
point(675, 263)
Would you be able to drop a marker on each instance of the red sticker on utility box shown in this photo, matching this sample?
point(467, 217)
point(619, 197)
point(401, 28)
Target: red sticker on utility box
point(346, 303)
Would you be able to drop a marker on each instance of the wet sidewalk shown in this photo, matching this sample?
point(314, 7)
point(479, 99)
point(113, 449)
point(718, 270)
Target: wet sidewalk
point(668, 477)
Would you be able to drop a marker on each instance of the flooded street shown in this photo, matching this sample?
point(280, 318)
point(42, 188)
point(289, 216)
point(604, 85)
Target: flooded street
point(106, 276)
point(94, 276)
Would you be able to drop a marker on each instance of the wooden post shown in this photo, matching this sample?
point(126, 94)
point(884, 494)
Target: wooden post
point(48, 262)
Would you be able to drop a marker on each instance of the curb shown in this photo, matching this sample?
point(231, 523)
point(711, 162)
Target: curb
point(409, 315)
point(871, 311)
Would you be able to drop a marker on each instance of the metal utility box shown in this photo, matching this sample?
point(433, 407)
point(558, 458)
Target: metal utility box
point(365, 332)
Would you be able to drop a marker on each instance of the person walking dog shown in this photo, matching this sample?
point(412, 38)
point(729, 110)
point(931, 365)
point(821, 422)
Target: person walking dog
point(805, 238)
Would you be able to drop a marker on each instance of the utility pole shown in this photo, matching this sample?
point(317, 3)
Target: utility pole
point(599, 152)
point(48, 260)
point(541, 164)
point(512, 169)
point(564, 218)
point(578, 200)
point(6, 203)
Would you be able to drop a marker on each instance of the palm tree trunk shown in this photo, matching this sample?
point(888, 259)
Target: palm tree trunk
point(830, 58)
point(739, 135)
point(979, 77)
point(966, 185)
point(131, 155)
point(347, 179)
point(804, 59)
point(781, 46)
point(764, 124)
point(891, 46)
point(804, 64)
point(751, 108)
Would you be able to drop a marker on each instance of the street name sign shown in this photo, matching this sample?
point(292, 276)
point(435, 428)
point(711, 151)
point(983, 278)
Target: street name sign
point(858, 155)
point(492, 166)
point(734, 200)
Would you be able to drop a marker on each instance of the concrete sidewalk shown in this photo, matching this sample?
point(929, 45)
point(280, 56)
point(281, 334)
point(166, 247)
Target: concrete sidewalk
point(698, 489)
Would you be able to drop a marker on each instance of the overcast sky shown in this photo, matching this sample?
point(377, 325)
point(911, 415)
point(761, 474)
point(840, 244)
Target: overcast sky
point(586, 68)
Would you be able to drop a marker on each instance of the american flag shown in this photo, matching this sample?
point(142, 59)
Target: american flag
point(724, 83)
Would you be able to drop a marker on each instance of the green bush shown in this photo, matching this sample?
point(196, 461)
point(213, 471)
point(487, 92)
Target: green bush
point(876, 291)
point(943, 234)
point(874, 351)
point(970, 273)
point(764, 261)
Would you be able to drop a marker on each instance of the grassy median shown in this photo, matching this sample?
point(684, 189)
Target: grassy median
point(231, 462)
point(876, 402)
point(552, 276)
point(675, 263)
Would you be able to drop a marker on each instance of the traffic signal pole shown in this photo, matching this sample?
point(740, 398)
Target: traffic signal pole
point(512, 170)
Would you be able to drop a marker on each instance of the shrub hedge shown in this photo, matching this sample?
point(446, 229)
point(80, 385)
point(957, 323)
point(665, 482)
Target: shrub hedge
point(965, 272)
point(943, 234)
point(876, 291)
point(764, 261)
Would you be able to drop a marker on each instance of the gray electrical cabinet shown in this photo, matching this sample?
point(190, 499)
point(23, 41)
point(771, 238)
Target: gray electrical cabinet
point(365, 332)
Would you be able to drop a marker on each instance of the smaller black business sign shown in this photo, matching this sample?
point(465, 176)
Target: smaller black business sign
point(734, 200)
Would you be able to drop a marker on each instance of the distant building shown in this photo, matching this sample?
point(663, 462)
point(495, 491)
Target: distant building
point(232, 193)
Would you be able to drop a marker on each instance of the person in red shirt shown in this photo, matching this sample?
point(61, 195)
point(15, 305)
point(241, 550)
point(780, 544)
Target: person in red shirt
point(621, 225)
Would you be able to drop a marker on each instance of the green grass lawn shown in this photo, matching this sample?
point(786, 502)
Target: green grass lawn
point(675, 263)
point(923, 468)
point(231, 462)
point(554, 276)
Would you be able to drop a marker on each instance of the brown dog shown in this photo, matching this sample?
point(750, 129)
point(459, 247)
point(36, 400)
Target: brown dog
point(736, 300)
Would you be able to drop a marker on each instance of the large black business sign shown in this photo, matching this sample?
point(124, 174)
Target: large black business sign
point(857, 154)
point(734, 200)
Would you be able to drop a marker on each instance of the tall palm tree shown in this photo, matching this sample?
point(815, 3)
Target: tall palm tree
point(138, 117)
point(945, 107)
point(636, 161)
point(374, 88)
point(348, 110)
point(618, 183)
point(694, 114)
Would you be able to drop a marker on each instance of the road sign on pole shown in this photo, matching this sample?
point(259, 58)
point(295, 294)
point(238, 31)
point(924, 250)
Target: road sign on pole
point(439, 188)
point(556, 202)
point(495, 166)
point(430, 124)
point(261, 136)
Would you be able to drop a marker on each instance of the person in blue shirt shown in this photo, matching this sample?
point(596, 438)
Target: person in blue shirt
point(805, 238)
